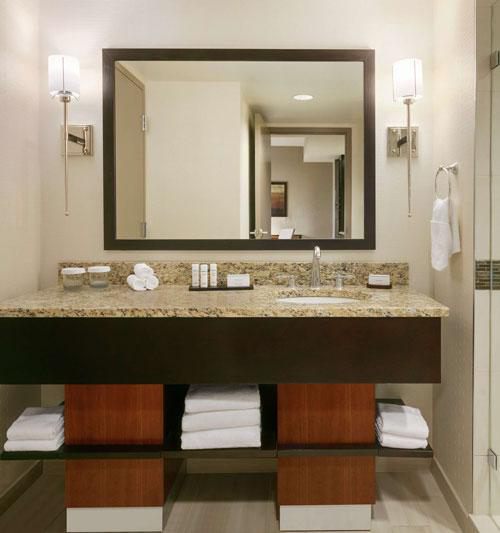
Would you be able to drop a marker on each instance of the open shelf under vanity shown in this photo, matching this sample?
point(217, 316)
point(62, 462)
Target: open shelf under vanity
point(171, 448)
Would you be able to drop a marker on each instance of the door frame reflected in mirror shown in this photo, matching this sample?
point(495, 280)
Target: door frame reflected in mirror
point(111, 55)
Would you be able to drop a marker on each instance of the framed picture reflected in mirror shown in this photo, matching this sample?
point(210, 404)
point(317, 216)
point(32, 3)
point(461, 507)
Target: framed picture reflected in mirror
point(279, 199)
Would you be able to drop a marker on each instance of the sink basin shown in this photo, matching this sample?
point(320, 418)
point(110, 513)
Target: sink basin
point(308, 300)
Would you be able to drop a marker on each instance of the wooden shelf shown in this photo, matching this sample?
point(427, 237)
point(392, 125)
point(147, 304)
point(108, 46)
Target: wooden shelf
point(174, 398)
point(88, 452)
point(312, 450)
point(174, 409)
point(402, 452)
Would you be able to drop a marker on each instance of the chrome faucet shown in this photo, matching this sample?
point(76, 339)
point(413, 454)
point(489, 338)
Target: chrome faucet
point(315, 270)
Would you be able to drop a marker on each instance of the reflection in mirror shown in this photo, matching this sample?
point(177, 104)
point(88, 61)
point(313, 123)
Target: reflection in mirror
point(239, 150)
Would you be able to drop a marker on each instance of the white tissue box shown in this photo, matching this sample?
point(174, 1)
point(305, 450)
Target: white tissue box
point(238, 280)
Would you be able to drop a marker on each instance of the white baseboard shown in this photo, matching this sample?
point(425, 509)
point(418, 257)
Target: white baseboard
point(325, 517)
point(483, 524)
point(461, 514)
point(114, 519)
point(19, 486)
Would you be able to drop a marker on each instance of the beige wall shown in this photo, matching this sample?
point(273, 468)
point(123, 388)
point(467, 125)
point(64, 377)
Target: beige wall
point(357, 171)
point(482, 332)
point(19, 186)
point(88, 27)
point(193, 160)
point(244, 169)
point(357, 183)
point(393, 28)
point(454, 115)
point(310, 193)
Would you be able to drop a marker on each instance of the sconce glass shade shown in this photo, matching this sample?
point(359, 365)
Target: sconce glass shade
point(407, 79)
point(64, 76)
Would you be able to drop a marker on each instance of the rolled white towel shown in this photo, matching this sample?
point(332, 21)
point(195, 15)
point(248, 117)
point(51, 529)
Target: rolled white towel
point(136, 283)
point(35, 445)
point(395, 441)
point(402, 420)
point(220, 419)
point(202, 398)
point(37, 423)
point(141, 270)
point(151, 282)
point(244, 437)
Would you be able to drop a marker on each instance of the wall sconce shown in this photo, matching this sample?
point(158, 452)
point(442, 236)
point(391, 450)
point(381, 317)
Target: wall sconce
point(64, 82)
point(407, 84)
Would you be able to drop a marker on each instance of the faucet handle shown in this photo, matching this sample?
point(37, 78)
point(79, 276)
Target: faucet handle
point(290, 278)
point(340, 277)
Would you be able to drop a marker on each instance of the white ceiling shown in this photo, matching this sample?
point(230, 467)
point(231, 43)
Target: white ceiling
point(287, 140)
point(317, 148)
point(269, 87)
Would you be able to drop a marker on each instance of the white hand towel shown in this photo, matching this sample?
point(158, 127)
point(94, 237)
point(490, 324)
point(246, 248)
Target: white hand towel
point(202, 398)
point(445, 237)
point(394, 441)
point(35, 445)
point(136, 283)
point(37, 423)
point(401, 420)
point(455, 232)
point(245, 437)
point(141, 270)
point(220, 419)
point(151, 282)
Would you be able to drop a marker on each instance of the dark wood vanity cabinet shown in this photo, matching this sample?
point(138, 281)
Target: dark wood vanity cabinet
point(220, 350)
point(122, 446)
point(312, 416)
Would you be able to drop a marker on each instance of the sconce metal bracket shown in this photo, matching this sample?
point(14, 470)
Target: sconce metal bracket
point(80, 139)
point(397, 145)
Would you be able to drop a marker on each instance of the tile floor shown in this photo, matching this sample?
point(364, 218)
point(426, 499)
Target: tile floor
point(407, 502)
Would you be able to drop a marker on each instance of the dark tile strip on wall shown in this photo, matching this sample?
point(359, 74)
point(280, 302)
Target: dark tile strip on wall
point(483, 275)
point(488, 275)
point(495, 278)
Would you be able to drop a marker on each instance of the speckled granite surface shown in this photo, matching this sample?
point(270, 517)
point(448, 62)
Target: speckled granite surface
point(263, 273)
point(178, 301)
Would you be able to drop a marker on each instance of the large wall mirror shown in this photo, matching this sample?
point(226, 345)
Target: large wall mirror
point(239, 149)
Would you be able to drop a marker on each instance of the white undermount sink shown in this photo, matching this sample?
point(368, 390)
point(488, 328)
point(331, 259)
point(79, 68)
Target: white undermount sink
point(308, 300)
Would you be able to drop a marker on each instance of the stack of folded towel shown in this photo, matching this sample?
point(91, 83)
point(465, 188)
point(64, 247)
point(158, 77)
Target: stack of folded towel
point(37, 429)
point(400, 426)
point(143, 278)
point(221, 416)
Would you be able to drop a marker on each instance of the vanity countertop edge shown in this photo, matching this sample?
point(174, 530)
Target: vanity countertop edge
point(118, 301)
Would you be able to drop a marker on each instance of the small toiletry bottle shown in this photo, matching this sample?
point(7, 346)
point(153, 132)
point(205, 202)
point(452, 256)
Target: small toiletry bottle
point(204, 276)
point(195, 275)
point(213, 274)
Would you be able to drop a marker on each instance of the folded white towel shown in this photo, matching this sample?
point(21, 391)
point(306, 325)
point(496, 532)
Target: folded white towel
point(401, 420)
point(47, 445)
point(202, 398)
point(244, 437)
point(220, 419)
point(141, 270)
point(136, 283)
point(395, 441)
point(37, 423)
point(151, 282)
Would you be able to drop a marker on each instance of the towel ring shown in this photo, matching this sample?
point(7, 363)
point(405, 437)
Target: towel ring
point(452, 169)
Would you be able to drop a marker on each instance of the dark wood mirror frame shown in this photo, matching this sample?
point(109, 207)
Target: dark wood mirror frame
point(110, 55)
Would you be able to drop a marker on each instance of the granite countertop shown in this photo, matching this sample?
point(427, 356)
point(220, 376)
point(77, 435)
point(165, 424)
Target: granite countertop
point(178, 301)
